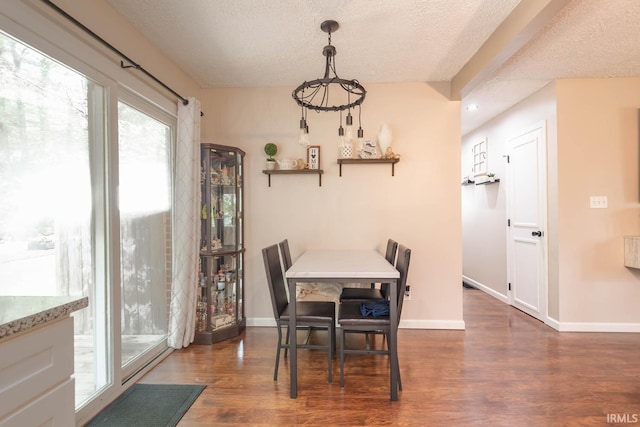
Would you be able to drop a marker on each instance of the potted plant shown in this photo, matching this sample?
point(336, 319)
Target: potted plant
point(271, 149)
point(491, 176)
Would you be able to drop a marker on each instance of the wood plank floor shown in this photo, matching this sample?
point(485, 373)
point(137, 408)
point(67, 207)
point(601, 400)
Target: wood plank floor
point(505, 369)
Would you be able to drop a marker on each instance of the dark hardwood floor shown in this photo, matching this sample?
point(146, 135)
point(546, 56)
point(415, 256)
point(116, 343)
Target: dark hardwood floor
point(505, 369)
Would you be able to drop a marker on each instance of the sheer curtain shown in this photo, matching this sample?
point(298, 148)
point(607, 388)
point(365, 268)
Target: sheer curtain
point(187, 226)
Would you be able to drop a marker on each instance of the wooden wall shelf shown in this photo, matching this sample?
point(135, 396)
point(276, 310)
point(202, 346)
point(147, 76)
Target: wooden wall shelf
point(488, 182)
point(392, 162)
point(294, 172)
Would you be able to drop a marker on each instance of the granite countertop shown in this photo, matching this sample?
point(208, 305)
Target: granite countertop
point(21, 313)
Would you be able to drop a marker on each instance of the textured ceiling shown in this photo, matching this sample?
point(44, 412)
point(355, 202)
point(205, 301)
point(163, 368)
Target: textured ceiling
point(239, 43)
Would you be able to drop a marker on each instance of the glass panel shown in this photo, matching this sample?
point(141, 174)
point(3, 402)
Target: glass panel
point(46, 235)
point(221, 272)
point(145, 230)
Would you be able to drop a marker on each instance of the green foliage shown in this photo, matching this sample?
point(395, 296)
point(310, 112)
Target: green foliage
point(271, 149)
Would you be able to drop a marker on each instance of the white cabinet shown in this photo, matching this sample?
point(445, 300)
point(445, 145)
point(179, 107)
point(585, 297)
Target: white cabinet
point(36, 376)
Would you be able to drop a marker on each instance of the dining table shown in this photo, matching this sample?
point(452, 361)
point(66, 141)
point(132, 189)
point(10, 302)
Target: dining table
point(344, 267)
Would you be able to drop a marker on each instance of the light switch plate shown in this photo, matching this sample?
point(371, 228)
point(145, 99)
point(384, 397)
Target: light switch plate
point(598, 202)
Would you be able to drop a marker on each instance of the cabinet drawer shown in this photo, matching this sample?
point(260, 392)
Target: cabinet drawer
point(53, 409)
point(34, 362)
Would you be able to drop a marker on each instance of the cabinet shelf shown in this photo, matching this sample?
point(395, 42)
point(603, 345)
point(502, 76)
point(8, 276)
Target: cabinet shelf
point(392, 162)
point(294, 172)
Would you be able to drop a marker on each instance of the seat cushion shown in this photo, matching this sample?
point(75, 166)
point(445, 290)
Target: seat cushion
point(349, 315)
point(361, 294)
point(312, 311)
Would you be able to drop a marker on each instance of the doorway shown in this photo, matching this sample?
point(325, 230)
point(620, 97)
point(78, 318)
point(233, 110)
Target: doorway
point(526, 213)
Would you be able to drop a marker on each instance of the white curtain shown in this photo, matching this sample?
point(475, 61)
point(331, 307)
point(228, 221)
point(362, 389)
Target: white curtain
point(187, 226)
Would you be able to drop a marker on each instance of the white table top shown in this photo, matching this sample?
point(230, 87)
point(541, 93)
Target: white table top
point(339, 264)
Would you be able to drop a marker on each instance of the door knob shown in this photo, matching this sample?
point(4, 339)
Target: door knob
point(536, 233)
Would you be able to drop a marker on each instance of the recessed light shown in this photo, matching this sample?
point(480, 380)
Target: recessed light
point(472, 107)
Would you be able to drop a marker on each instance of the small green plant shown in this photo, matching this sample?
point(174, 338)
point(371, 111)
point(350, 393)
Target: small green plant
point(271, 149)
point(491, 174)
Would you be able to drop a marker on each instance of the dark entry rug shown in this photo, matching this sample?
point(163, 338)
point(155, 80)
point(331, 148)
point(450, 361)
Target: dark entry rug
point(149, 405)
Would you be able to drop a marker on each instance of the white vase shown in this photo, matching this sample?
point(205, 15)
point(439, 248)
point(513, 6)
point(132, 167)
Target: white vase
point(384, 137)
point(270, 165)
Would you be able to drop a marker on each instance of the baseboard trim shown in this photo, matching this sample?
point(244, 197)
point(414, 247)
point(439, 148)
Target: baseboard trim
point(404, 324)
point(432, 324)
point(598, 327)
point(485, 289)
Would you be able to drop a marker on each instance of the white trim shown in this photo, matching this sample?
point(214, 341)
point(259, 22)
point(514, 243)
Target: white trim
point(486, 289)
point(598, 327)
point(404, 324)
point(432, 324)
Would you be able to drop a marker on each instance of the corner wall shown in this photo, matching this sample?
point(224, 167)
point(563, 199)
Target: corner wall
point(598, 156)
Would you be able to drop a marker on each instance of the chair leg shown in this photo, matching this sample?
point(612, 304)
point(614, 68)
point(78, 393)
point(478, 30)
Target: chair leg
point(342, 340)
point(278, 348)
point(331, 344)
point(287, 341)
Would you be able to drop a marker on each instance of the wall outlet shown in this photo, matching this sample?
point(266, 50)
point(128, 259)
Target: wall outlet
point(598, 202)
point(407, 293)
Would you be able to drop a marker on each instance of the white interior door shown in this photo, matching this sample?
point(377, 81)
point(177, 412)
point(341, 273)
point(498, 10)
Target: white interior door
point(527, 219)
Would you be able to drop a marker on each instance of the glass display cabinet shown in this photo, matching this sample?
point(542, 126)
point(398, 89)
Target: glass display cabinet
point(220, 309)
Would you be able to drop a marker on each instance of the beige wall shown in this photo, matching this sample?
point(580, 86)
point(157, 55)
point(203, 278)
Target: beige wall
point(106, 22)
point(597, 156)
point(419, 207)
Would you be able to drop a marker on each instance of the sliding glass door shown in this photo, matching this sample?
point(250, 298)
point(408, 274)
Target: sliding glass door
point(144, 147)
point(86, 208)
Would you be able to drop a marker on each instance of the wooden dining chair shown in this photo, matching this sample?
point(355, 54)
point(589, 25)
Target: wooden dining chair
point(309, 314)
point(351, 320)
point(358, 295)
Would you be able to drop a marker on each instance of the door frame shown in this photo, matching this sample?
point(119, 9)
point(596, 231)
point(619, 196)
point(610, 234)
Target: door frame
point(542, 209)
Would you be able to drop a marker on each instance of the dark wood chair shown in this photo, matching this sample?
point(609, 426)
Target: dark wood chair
point(309, 314)
point(351, 320)
point(358, 295)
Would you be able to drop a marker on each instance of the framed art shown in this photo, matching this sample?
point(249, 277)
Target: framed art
point(479, 153)
point(313, 156)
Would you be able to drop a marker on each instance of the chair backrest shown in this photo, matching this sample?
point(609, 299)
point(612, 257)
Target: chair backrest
point(390, 255)
point(402, 265)
point(286, 255)
point(392, 248)
point(275, 280)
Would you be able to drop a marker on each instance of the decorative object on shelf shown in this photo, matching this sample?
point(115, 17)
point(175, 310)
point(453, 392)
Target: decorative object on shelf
point(345, 145)
point(305, 94)
point(384, 138)
point(287, 164)
point(369, 150)
point(491, 176)
point(389, 154)
point(271, 150)
point(467, 181)
point(479, 153)
point(313, 157)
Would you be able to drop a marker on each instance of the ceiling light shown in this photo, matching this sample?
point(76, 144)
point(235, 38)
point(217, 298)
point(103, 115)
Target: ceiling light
point(314, 94)
point(472, 107)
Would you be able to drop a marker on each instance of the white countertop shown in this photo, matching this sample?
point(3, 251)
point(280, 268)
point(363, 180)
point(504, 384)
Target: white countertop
point(337, 264)
point(21, 313)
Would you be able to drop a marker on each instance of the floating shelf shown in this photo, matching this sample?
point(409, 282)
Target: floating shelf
point(392, 162)
point(468, 182)
point(488, 182)
point(294, 172)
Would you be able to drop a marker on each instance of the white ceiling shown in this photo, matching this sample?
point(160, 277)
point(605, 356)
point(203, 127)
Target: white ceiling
point(494, 52)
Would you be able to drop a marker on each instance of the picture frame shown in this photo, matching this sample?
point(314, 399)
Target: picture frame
point(313, 156)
